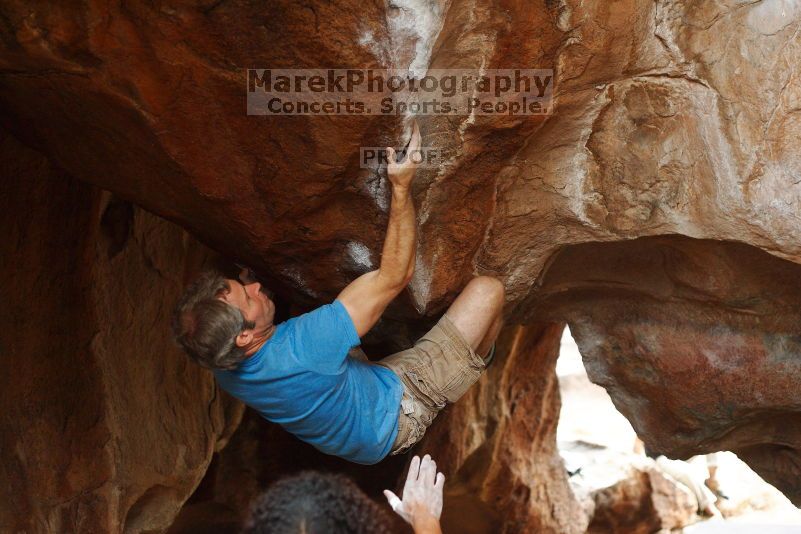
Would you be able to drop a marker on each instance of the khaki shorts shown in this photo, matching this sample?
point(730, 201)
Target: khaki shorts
point(437, 370)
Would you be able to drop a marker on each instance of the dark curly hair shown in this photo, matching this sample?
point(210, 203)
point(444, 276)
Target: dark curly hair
point(316, 503)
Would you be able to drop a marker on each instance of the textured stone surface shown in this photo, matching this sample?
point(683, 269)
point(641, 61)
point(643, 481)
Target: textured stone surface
point(670, 118)
point(696, 341)
point(642, 501)
point(660, 126)
point(497, 445)
point(105, 426)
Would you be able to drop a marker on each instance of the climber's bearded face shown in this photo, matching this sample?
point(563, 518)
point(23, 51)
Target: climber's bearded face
point(254, 304)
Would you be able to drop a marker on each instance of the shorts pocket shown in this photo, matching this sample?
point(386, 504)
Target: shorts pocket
point(446, 372)
point(460, 383)
point(425, 389)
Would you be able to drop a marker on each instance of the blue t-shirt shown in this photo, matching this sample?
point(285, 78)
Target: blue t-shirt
point(303, 379)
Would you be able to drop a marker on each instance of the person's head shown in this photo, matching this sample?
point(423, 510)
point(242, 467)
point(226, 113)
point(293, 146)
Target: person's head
point(316, 503)
point(219, 322)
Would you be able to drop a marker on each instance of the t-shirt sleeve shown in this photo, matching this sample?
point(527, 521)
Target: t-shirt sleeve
point(323, 337)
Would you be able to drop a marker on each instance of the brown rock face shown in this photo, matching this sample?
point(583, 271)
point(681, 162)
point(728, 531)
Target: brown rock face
point(644, 502)
point(670, 119)
point(105, 426)
point(717, 374)
point(498, 444)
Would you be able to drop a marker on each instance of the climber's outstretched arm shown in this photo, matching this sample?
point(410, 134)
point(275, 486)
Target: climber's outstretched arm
point(367, 297)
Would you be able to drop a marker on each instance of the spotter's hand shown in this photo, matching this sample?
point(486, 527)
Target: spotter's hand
point(401, 173)
point(422, 493)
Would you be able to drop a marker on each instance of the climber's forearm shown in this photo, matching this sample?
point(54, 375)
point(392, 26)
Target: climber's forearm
point(397, 256)
point(368, 296)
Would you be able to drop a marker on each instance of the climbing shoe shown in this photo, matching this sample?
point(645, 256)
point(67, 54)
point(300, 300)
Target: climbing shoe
point(489, 357)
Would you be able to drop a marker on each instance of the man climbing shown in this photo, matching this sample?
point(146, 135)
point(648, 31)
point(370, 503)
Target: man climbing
point(298, 373)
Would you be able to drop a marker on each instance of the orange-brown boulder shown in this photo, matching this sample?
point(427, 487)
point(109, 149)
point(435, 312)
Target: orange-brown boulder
point(105, 426)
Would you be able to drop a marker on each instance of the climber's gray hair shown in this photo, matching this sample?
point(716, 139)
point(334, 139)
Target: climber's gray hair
point(206, 326)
